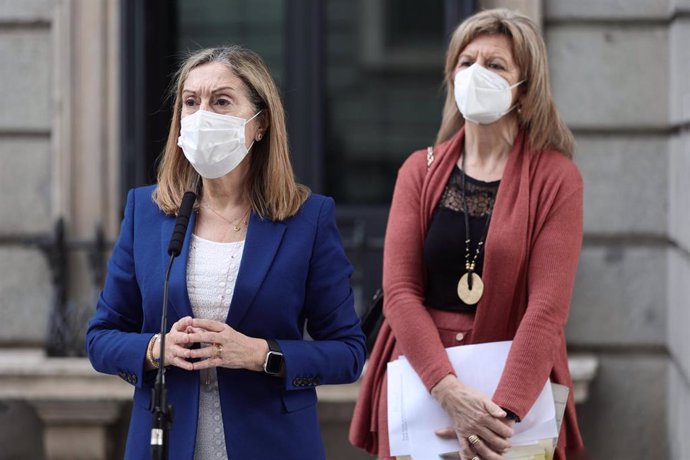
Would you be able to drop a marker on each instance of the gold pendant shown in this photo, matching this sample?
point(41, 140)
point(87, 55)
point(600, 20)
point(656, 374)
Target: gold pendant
point(467, 295)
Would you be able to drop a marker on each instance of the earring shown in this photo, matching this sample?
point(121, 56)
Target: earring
point(259, 136)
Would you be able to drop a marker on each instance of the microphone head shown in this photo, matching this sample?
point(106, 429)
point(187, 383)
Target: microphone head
point(188, 200)
point(181, 223)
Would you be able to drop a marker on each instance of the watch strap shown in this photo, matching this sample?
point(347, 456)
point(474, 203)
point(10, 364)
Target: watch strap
point(274, 354)
point(273, 346)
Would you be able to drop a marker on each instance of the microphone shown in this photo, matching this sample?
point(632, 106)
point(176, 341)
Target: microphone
point(181, 224)
point(162, 411)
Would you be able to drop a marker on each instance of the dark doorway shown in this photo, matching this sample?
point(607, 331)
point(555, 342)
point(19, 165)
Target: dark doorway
point(360, 79)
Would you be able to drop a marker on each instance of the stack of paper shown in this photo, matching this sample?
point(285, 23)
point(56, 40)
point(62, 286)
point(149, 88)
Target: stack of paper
point(413, 414)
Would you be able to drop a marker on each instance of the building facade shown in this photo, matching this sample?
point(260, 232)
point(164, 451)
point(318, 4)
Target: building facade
point(84, 85)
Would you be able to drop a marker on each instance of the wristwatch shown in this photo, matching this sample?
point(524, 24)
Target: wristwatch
point(273, 365)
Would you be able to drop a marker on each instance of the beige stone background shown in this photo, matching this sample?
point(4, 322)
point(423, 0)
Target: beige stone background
point(620, 72)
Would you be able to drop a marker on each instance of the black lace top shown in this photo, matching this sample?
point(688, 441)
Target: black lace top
point(444, 247)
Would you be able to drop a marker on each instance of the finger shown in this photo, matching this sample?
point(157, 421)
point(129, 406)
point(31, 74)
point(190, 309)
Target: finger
point(180, 351)
point(498, 427)
point(446, 433)
point(466, 452)
point(494, 409)
point(492, 440)
point(484, 451)
point(206, 363)
point(181, 324)
point(208, 324)
point(182, 363)
point(176, 338)
point(203, 337)
point(201, 353)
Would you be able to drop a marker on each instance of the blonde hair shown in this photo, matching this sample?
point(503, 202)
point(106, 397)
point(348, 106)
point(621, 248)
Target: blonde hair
point(271, 187)
point(538, 114)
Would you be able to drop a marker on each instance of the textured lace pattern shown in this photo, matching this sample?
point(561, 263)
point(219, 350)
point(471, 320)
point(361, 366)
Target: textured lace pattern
point(480, 195)
point(211, 275)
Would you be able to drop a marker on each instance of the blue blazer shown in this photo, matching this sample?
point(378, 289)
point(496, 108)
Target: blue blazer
point(292, 273)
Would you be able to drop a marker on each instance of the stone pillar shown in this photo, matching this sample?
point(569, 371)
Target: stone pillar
point(85, 145)
point(678, 418)
point(619, 75)
point(77, 405)
point(77, 430)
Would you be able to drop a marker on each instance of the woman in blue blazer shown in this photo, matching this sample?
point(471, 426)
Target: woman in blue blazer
point(261, 259)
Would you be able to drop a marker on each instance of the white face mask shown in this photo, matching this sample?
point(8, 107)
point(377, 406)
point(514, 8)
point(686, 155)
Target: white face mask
point(482, 96)
point(213, 143)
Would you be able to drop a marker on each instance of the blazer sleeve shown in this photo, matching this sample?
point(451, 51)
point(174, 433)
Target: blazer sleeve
point(114, 342)
point(551, 273)
point(337, 353)
point(403, 279)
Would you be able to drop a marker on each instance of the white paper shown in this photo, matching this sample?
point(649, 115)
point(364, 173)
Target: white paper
point(413, 414)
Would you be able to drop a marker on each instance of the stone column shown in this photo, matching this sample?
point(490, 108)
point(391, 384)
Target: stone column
point(678, 418)
point(619, 76)
point(85, 145)
point(76, 404)
point(76, 430)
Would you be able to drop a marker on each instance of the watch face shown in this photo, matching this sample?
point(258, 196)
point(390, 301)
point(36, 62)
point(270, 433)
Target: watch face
point(274, 362)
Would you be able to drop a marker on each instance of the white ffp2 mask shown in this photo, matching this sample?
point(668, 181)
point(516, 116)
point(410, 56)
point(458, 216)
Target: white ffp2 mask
point(481, 95)
point(214, 144)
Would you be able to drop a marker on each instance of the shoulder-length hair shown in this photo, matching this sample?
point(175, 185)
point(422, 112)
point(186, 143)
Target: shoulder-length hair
point(538, 115)
point(271, 187)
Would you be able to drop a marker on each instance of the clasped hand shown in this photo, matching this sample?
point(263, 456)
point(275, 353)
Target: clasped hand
point(221, 346)
point(478, 423)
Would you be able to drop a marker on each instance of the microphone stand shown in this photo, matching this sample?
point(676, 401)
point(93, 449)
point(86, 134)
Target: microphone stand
point(162, 411)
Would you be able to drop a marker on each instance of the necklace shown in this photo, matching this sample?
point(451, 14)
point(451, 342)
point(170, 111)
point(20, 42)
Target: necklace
point(471, 286)
point(237, 225)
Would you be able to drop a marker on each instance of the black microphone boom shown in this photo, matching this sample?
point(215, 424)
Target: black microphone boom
point(162, 411)
point(180, 230)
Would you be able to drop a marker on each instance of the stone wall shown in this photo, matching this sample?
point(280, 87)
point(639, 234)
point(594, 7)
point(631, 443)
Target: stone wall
point(25, 197)
point(620, 77)
point(25, 183)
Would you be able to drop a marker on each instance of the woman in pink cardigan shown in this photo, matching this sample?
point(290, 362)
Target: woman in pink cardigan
point(482, 244)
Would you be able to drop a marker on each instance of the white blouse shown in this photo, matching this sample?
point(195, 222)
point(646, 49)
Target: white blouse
point(211, 275)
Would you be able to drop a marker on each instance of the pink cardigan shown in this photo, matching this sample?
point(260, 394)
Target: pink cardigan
point(532, 251)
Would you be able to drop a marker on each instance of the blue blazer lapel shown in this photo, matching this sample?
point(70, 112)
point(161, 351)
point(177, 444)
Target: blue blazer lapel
point(178, 297)
point(260, 247)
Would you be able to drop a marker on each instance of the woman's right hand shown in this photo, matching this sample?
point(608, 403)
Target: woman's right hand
point(473, 413)
point(176, 343)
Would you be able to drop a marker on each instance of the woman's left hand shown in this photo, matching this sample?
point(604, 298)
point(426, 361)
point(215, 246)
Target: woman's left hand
point(466, 452)
point(226, 347)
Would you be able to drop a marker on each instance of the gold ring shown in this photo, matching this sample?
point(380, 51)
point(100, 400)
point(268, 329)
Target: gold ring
point(476, 457)
point(219, 350)
point(473, 439)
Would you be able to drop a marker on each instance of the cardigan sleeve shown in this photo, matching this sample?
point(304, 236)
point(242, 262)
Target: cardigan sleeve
point(403, 278)
point(551, 269)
